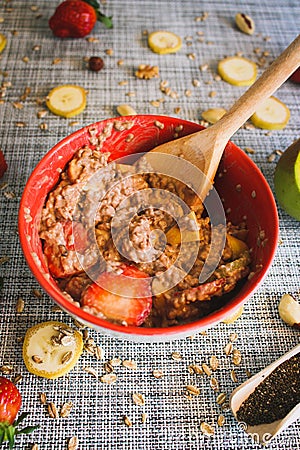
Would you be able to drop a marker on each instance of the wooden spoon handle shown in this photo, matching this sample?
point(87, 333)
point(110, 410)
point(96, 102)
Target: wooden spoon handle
point(276, 74)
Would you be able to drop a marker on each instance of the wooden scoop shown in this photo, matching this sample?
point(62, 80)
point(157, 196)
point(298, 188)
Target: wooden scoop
point(204, 149)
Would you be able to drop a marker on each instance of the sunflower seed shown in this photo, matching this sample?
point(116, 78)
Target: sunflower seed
point(35, 447)
point(228, 349)
point(17, 379)
point(108, 367)
point(233, 376)
point(115, 362)
point(236, 357)
point(144, 417)
point(138, 399)
point(233, 337)
point(6, 369)
point(214, 384)
point(99, 353)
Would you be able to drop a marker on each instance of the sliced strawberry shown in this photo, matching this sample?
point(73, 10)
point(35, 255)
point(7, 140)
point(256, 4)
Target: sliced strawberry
point(3, 164)
point(123, 298)
point(76, 236)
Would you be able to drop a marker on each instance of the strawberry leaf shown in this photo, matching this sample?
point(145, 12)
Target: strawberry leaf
point(27, 430)
point(20, 418)
point(107, 21)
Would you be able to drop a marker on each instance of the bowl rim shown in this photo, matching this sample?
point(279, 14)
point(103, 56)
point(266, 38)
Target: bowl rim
point(117, 329)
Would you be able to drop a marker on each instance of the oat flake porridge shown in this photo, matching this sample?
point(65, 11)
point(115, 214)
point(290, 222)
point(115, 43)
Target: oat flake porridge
point(106, 245)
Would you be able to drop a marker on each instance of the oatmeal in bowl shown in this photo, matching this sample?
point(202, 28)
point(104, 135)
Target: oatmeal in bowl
point(134, 252)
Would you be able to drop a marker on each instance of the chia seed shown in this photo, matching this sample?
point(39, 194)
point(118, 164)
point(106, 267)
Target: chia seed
point(275, 396)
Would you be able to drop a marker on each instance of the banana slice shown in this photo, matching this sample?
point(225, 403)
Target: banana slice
point(235, 316)
point(175, 235)
point(164, 42)
point(272, 114)
point(2, 42)
point(237, 246)
point(67, 100)
point(51, 349)
point(237, 70)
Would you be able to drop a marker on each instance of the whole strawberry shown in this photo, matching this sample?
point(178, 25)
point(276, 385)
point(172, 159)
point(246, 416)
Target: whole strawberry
point(10, 403)
point(77, 18)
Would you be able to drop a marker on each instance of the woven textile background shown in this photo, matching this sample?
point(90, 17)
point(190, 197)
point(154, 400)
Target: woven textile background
point(35, 59)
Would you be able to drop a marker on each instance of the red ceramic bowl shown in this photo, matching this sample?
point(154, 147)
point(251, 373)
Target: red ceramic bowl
point(254, 201)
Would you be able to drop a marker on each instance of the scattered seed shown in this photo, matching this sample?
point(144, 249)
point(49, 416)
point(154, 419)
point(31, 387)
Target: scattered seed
point(43, 398)
point(20, 305)
point(99, 353)
point(206, 369)
point(144, 417)
point(25, 59)
point(35, 447)
point(271, 157)
point(228, 348)
point(37, 293)
point(221, 398)
point(6, 369)
point(214, 362)
point(129, 137)
point(214, 384)
point(138, 399)
point(194, 390)
point(129, 364)
point(127, 421)
point(52, 410)
point(73, 443)
point(206, 429)
point(109, 378)
point(212, 94)
point(155, 103)
point(221, 420)
point(91, 371)
point(250, 150)
point(109, 51)
point(233, 337)
point(66, 409)
point(157, 373)
point(108, 367)
point(236, 357)
point(203, 67)
point(233, 376)
point(17, 379)
point(115, 362)
point(176, 356)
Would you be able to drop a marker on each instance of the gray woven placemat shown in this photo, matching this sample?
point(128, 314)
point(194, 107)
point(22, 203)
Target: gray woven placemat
point(34, 58)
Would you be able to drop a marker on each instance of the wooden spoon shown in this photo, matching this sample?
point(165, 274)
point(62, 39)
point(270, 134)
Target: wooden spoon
point(265, 432)
point(204, 149)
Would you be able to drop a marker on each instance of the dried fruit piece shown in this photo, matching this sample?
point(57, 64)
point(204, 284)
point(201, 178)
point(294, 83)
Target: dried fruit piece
point(124, 298)
point(164, 42)
point(244, 23)
point(2, 42)
point(45, 347)
point(213, 115)
point(237, 246)
point(289, 310)
point(233, 317)
point(66, 100)
point(126, 110)
point(272, 114)
point(237, 70)
point(146, 72)
point(96, 63)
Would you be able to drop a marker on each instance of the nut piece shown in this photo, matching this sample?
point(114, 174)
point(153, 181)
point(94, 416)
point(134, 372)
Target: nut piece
point(145, 71)
point(126, 110)
point(244, 23)
point(213, 115)
point(289, 310)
